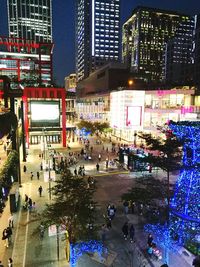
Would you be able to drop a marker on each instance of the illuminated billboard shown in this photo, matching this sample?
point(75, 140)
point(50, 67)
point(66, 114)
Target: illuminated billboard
point(134, 116)
point(45, 113)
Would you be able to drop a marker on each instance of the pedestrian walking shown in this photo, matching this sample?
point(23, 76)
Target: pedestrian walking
point(5, 238)
point(150, 251)
point(75, 172)
point(10, 262)
point(32, 175)
point(40, 189)
point(11, 221)
point(125, 204)
point(99, 157)
point(103, 232)
point(133, 207)
point(196, 261)
point(33, 207)
point(111, 212)
point(108, 222)
point(97, 166)
point(140, 208)
point(38, 175)
point(150, 240)
point(41, 230)
point(30, 203)
point(25, 169)
point(26, 198)
point(9, 234)
point(131, 232)
point(80, 170)
point(1, 265)
point(107, 163)
point(41, 167)
point(125, 230)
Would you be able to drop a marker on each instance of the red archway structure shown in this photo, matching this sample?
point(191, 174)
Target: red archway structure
point(44, 93)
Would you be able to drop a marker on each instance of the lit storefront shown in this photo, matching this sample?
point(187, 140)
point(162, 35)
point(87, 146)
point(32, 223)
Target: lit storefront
point(45, 115)
point(127, 113)
point(132, 111)
point(94, 108)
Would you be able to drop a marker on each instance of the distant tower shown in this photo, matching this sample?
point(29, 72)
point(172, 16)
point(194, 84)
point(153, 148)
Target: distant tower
point(97, 34)
point(185, 205)
point(30, 19)
point(144, 36)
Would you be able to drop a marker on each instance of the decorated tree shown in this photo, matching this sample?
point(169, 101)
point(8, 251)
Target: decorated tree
point(87, 125)
point(93, 127)
point(184, 221)
point(185, 204)
point(166, 153)
point(73, 207)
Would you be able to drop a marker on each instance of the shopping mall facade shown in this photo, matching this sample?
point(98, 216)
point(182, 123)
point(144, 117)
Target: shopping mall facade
point(131, 111)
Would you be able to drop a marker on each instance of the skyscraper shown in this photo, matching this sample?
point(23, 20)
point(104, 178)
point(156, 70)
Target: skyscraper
point(144, 37)
point(197, 52)
point(97, 34)
point(30, 19)
point(178, 61)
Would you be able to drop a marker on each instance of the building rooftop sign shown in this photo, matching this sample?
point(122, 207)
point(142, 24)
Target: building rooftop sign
point(21, 45)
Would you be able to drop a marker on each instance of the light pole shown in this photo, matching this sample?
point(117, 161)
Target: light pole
point(49, 179)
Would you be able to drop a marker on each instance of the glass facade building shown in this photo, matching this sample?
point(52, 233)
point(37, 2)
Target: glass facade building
point(97, 34)
point(30, 19)
point(178, 61)
point(197, 52)
point(144, 37)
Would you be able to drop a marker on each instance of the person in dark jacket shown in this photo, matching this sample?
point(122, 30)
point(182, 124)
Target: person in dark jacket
point(150, 240)
point(131, 232)
point(196, 261)
point(125, 230)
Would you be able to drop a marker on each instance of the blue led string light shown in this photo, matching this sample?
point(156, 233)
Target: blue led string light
point(184, 223)
point(162, 236)
point(78, 249)
point(185, 205)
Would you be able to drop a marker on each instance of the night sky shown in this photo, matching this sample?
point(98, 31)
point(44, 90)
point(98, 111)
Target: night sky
point(64, 32)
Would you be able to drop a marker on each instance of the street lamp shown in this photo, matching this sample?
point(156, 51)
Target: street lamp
point(130, 82)
point(49, 179)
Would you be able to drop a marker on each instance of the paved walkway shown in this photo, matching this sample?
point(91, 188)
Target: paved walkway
point(27, 250)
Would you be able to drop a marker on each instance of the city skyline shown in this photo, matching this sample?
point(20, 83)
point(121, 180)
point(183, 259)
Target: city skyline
point(64, 63)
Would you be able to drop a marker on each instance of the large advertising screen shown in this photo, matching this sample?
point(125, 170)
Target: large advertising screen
point(45, 113)
point(134, 116)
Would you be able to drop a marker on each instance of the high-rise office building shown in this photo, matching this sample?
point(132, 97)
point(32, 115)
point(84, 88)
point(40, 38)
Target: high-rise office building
point(97, 34)
point(30, 19)
point(144, 37)
point(197, 52)
point(178, 57)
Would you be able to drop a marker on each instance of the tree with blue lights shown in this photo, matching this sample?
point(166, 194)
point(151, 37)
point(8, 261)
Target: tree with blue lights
point(93, 127)
point(185, 205)
point(75, 209)
point(184, 221)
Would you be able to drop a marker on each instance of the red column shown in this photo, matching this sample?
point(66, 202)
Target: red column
point(63, 119)
point(26, 122)
point(18, 70)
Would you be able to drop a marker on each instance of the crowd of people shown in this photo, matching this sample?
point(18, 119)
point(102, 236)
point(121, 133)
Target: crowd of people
point(71, 160)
